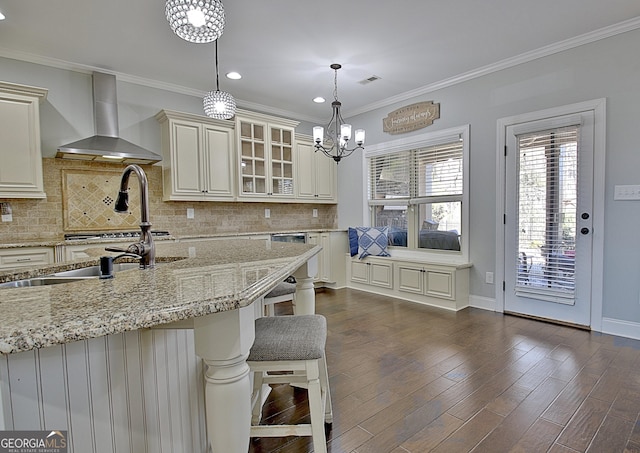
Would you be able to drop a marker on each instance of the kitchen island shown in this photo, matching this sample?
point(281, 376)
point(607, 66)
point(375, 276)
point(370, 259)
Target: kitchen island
point(210, 286)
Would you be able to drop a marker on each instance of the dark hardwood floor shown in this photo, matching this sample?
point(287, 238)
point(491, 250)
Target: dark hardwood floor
point(411, 378)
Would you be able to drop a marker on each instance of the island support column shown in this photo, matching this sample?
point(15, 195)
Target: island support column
point(223, 341)
point(305, 303)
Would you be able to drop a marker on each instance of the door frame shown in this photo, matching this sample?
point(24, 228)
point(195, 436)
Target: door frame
point(598, 106)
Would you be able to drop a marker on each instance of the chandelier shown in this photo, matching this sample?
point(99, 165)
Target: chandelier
point(197, 21)
point(338, 132)
point(219, 104)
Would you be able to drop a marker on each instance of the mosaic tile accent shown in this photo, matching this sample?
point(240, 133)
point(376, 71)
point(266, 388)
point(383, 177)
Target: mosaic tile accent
point(88, 198)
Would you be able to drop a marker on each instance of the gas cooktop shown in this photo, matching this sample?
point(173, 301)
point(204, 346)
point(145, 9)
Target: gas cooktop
point(110, 235)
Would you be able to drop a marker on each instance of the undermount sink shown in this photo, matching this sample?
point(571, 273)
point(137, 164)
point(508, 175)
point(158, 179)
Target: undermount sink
point(94, 271)
point(85, 273)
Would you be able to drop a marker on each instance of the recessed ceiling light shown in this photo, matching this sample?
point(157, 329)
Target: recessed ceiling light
point(318, 100)
point(1, 16)
point(234, 75)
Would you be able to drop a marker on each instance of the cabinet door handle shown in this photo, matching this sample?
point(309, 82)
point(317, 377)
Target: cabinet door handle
point(19, 260)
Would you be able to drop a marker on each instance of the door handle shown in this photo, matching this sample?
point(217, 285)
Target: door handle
point(584, 230)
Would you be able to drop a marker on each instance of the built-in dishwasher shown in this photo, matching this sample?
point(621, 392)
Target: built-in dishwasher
point(289, 237)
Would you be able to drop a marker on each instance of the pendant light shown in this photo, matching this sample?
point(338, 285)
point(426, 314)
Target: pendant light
point(197, 21)
point(219, 104)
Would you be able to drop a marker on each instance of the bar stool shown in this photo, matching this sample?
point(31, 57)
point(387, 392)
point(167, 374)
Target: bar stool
point(284, 292)
point(294, 344)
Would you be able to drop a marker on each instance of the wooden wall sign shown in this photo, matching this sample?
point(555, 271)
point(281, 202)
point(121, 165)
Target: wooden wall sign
point(411, 117)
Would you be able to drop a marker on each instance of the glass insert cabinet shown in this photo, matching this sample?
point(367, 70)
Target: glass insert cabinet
point(266, 156)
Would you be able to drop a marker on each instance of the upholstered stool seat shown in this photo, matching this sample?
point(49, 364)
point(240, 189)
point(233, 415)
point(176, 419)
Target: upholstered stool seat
point(294, 344)
point(284, 292)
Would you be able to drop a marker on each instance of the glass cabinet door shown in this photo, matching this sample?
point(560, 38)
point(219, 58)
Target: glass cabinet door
point(281, 161)
point(252, 146)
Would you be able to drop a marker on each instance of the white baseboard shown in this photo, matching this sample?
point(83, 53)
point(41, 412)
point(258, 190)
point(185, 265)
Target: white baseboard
point(486, 303)
point(610, 326)
point(621, 328)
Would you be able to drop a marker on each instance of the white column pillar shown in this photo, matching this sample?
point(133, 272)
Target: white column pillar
point(305, 293)
point(223, 341)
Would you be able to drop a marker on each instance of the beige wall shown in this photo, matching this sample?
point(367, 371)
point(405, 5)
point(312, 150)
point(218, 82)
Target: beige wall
point(44, 219)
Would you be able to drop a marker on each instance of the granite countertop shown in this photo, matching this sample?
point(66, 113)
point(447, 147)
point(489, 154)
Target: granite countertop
point(61, 242)
point(191, 279)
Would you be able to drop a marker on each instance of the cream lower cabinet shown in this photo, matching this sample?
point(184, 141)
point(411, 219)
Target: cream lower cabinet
point(331, 264)
point(429, 280)
point(316, 174)
point(19, 257)
point(373, 272)
point(198, 157)
point(439, 285)
point(20, 154)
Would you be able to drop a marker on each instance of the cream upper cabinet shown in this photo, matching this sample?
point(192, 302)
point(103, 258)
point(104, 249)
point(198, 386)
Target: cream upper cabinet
point(316, 174)
point(20, 154)
point(266, 156)
point(198, 157)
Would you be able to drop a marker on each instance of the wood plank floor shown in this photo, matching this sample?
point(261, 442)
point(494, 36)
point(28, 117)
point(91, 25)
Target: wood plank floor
point(409, 378)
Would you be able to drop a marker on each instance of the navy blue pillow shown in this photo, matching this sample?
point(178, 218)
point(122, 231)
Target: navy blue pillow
point(353, 241)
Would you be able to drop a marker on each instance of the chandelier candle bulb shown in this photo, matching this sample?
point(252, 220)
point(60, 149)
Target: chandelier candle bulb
point(318, 134)
point(345, 131)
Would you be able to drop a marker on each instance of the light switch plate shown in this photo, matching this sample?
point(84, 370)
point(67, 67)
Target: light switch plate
point(267, 213)
point(191, 213)
point(315, 213)
point(626, 192)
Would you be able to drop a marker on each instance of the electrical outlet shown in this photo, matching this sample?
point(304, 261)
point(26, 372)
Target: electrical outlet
point(5, 209)
point(267, 213)
point(488, 277)
point(315, 213)
point(191, 213)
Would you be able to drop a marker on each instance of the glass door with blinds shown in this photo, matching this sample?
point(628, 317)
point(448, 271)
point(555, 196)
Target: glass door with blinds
point(548, 218)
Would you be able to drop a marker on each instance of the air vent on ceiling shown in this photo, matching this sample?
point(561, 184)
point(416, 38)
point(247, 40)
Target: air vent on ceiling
point(370, 79)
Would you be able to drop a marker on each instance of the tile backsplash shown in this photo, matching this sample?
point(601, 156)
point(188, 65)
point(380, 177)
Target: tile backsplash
point(80, 197)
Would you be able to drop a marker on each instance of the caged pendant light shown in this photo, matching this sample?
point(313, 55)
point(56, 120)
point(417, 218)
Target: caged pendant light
point(219, 104)
point(197, 21)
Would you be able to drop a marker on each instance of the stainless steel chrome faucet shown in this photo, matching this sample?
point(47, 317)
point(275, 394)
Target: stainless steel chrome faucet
point(145, 248)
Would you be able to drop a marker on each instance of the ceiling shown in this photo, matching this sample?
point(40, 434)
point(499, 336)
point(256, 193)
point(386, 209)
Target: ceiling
point(283, 48)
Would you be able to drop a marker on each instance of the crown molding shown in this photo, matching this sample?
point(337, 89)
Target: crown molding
point(602, 33)
point(587, 38)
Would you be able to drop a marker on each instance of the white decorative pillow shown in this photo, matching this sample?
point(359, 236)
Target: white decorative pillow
point(373, 241)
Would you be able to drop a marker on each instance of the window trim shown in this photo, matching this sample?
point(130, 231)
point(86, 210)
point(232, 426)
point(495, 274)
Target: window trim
point(414, 142)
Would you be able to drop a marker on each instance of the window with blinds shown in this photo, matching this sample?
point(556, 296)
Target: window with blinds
point(547, 206)
point(418, 194)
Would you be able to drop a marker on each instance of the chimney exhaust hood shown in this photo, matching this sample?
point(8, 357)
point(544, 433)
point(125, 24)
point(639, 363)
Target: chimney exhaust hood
point(106, 145)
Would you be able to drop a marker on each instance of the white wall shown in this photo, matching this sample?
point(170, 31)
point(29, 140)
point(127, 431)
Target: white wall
point(604, 69)
point(67, 114)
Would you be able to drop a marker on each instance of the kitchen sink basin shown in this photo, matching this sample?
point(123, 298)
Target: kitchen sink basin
point(74, 275)
point(41, 281)
point(94, 271)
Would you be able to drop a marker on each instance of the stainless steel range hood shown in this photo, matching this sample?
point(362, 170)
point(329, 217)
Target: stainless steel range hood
point(106, 145)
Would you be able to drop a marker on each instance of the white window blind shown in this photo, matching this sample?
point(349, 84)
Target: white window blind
point(438, 170)
point(547, 205)
point(433, 171)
